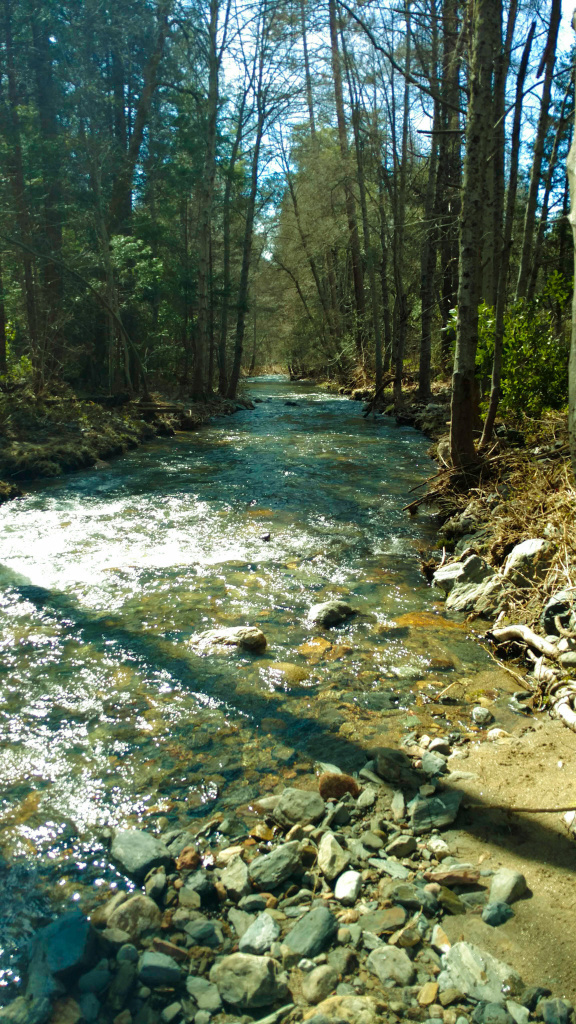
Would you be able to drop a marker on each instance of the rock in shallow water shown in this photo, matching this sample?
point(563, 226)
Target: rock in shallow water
point(330, 613)
point(249, 637)
point(496, 914)
point(156, 969)
point(136, 853)
point(136, 916)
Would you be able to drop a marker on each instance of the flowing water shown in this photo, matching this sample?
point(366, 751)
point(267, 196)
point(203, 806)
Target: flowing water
point(110, 712)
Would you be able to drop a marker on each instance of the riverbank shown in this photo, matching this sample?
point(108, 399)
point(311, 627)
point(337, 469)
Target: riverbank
point(43, 436)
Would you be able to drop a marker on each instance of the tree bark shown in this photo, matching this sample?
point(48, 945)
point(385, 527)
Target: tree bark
point(496, 389)
point(120, 200)
point(357, 272)
point(464, 387)
point(571, 171)
point(547, 65)
point(205, 208)
point(226, 214)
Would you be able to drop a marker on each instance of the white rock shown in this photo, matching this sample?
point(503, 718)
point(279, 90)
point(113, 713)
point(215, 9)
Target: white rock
point(348, 888)
point(528, 561)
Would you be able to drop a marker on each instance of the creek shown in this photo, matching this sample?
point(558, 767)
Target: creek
point(109, 713)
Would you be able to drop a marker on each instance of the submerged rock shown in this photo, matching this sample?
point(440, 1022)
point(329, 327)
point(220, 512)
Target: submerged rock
point(249, 637)
point(330, 613)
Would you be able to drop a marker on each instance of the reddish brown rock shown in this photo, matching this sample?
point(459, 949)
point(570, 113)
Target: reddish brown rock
point(188, 860)
point(333, 786)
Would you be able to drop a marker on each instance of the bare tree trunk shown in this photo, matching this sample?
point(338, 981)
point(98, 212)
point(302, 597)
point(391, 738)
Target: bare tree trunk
point(205, 211)
point(52, 277)
point(401, 307)
point(571, 171)
point(464, 388)
point(547, 65)
point(368, 248)
point(384, 273)
point(448, 184)
point(545, 204)
point(3, 350)
point(16, 171)
point(120, 198)
point(226, 212)
point(307, 75)
point(247, 252)
point(495, 390)
point(357, 273)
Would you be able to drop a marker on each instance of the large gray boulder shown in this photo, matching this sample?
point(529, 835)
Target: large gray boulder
point(271, 869)
point(247, 981)
point(472, 570)
point(528, 561)
point(478, 975)
point(136, 853)
point(485, 598)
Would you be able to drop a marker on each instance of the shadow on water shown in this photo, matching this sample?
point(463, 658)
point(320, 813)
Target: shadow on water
point(505, 828)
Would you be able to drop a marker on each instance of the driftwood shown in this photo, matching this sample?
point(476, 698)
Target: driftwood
point(527, 636)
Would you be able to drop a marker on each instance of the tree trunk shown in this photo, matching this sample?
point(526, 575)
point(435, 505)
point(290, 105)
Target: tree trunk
point(120, 200)
point(357, 273)
point(464, 387)
point(3, 348)
point(53, 289)
point(448, 183)
point(384, 273)
point(496, 390)
point(547, 65)
point(401, 305)
point(16, 172)
point(571, 170)
point(205, 211)
point(226, 212)
point(246, 256)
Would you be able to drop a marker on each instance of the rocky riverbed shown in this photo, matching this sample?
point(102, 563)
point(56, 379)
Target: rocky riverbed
point(331, 904)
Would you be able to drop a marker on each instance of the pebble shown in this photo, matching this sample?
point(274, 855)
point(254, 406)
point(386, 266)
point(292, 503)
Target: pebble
point(482, 716)
point(271, 869)
point(391, 965)
point(156, 969)
point(247, 981)
point(299, 806)
point(507, 886)
point(367, 798)
point(319, 983)
point(137, 852)
point(203, 932)
point(260, 935)
point(235, 878)
point(204, 993)
point(312, 933)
